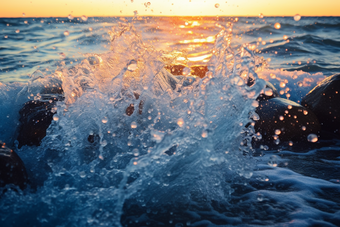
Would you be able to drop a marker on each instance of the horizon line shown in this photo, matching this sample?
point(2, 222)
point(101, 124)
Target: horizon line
point(176, 16)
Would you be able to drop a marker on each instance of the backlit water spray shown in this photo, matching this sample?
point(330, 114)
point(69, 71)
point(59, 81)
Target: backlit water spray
point(128, 134)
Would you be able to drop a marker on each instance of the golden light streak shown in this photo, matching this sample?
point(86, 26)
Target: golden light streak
point(200, 58)
point(209, 39)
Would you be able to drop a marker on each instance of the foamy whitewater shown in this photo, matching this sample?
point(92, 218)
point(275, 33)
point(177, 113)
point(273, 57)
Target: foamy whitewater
point(184, 156)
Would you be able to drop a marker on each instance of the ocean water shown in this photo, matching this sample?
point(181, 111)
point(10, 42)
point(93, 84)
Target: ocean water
point(183, 157)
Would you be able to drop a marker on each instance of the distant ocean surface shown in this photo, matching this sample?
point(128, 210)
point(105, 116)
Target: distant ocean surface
point(178, 162)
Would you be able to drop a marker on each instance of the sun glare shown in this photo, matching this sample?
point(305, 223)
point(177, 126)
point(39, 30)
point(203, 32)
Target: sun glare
point(86, 8)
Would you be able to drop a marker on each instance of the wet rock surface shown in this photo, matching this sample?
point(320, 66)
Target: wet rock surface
point(284, 120)
point(324, 101)
point(131, 108)
point(196, 70)
point(12, 169)
point(199, 71)
point(35, 117)
point(176, 70)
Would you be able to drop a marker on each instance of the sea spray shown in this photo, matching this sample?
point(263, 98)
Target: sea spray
point(97, 162)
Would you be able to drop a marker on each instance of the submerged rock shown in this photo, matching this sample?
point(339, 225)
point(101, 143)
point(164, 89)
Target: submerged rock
point(12, 169)
point(285, 120)
point(35, 117)
point(176, 70)
point(324, 101)
point(131, 108)
point(197, 70)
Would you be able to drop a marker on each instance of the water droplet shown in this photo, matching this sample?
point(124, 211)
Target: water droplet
point(66, 33)
point(103, 143)
point(61, 55)
point(268, 91)
point(180, 122)
point(84, 18)
point(209, 74)
point(135, 152)
point(255, 103)
point(258, 136)
point(273, 161)
point(260, 197)
point(17, 31)
point(25, 22)
point(277, 25)
point(248, 174)
point(35, 47)
point(149, 118)
point(282, 84)
point(104, 120)
point(82, 174)
point(261, 15)
point(101, 157)
point(6, 36)
point(133, 124)
point(255, 117)
point(290, 143)
point(23, 14)
point(290, 107)
point(204, 134)
point(55, 118)
point(305, 112)
point(285, 37)
point(70, 17)
point(217, 5)
point(297, 17)
point(277, 132)
point(132, 66)
point(90, 29)
point(312, 138)
point(281, 118)
point(135, 13)
point(303, 128)
point(277, 141)
point(186, 71)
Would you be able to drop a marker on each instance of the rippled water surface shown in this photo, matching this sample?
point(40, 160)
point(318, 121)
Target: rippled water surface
point(165, 150)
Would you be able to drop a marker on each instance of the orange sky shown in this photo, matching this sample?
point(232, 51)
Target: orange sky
point(62, 8)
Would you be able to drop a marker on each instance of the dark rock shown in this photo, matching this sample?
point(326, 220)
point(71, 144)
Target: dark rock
point(53, 90)
point(130, 109)
point(199, 71)
point(12, 169)
point(176, 70)
point(93, 138)
point(268, 92)
point(285, 119)
point(324, 101)
point(35, 117)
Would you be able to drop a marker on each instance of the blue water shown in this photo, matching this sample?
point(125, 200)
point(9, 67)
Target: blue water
point(182, 161)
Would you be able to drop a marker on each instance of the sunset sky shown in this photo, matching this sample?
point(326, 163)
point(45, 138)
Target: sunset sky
point(62, 8)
